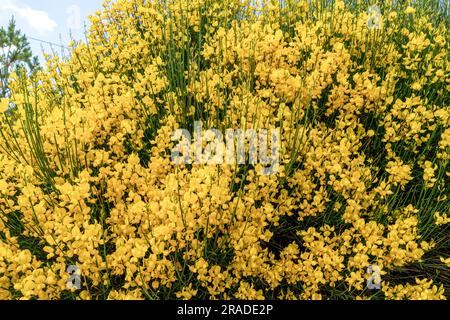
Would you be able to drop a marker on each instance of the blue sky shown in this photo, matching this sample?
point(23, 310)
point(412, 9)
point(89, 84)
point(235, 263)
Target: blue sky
point(49, 20)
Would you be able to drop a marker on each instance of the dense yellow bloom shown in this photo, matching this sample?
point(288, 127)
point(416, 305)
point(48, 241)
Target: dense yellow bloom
point(422, 290)
point(87, 180)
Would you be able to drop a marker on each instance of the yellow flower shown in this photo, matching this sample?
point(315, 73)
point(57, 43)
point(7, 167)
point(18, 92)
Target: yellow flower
point(416, 86)
point(410, 10)
point(445, 261)
point(4, 104)
point(441, 219)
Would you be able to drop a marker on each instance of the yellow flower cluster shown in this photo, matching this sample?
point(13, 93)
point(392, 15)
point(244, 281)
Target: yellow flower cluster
point(86, 177)
point(421, 290)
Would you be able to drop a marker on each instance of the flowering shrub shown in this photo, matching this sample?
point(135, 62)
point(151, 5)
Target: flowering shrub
point(86, 177)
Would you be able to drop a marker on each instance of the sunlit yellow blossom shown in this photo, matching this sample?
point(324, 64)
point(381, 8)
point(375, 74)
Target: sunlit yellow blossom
point(4, 104)
point(93, 206)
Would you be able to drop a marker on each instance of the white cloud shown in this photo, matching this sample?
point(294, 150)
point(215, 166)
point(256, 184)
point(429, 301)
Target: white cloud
point(37, 19)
